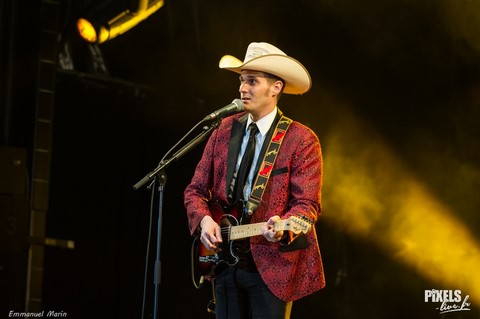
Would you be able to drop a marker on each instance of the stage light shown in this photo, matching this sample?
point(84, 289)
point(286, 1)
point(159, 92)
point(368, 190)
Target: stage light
point(87, 30)
point(104, 23)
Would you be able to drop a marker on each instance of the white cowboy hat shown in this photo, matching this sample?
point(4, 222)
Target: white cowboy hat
point(264, 57)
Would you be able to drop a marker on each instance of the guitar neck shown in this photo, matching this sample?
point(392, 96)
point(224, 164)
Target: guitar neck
point(250, 230)
point(245, 231)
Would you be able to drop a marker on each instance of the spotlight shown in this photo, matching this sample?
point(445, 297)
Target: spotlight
point(107, 21)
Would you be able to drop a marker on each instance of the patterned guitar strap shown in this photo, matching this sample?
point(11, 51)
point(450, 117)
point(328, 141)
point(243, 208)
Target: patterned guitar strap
point(267, 165)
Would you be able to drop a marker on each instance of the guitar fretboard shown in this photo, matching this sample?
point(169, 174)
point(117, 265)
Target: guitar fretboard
point(250, 230)
point(245, 231)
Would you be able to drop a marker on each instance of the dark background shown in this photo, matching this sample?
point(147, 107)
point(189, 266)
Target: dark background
point(407, 69)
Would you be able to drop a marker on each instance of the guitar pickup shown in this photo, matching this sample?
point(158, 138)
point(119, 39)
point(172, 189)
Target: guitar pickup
point(209, 259)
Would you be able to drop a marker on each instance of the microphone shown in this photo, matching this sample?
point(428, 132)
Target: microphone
point(234, 107)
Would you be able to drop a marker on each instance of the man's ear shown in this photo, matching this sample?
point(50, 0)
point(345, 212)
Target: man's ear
point(277, 87)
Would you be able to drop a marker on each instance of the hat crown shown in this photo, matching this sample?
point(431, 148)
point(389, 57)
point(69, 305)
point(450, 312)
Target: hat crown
point(256, 49)
point(264, 57)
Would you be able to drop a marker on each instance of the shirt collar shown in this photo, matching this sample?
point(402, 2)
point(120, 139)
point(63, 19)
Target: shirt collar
point(265, 122)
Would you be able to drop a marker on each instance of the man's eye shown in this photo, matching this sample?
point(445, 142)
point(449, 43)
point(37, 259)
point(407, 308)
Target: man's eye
point(248, 81)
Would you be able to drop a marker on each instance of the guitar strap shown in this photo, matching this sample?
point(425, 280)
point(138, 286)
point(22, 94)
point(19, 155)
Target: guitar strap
point(267, 164)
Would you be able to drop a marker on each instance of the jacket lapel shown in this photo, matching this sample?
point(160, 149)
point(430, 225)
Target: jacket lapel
point(238, 130)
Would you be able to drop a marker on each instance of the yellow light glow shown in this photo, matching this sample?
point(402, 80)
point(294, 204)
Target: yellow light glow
point(118, 24)
point(371, 194)
point(86, 30)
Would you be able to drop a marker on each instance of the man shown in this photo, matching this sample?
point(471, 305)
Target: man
point(261, 275)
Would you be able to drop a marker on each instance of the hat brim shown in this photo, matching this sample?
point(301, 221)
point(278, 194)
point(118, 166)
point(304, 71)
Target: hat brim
point(296, 77)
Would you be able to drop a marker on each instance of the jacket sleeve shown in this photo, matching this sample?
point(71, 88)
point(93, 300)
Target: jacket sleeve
point(198, 193)
point(305, 186)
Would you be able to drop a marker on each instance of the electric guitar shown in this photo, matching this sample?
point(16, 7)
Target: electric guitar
point(208, 261)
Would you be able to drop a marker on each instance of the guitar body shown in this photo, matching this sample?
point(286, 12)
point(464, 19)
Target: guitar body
point(211, 262)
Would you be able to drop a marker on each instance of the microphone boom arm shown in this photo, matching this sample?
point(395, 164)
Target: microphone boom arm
point(185, 149)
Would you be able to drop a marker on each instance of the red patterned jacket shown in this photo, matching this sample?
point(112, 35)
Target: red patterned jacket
point(294, 188)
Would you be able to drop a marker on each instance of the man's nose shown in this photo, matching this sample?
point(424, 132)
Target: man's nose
point(243, 87)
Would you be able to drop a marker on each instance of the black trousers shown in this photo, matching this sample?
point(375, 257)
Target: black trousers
point(241, 294)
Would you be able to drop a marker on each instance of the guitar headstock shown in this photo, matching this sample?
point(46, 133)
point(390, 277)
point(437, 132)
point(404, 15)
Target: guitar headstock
point(298, 225)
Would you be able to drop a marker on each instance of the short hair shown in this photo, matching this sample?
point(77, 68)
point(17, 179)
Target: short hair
point(273, 78)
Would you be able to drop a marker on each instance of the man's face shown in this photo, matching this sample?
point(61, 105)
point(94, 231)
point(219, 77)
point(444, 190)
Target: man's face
point(258, 93)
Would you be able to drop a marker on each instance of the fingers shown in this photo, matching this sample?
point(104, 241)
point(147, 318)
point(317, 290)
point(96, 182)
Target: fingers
point(218, 235)
point(269, 231)
point(210, 242)
point(273, 236)
point(272, 220)
point(211, 235)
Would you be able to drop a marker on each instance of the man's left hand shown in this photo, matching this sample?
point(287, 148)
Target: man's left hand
point(269, 232)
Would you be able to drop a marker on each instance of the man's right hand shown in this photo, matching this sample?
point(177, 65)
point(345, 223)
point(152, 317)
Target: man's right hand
point(211, 235)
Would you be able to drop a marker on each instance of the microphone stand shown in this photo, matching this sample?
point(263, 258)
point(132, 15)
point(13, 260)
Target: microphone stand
point(159, 174)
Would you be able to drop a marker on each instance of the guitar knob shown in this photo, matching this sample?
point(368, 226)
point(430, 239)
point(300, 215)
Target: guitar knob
point(211, 307)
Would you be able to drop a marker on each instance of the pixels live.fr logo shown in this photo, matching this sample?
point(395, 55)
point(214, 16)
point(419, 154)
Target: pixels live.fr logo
point(451, 300)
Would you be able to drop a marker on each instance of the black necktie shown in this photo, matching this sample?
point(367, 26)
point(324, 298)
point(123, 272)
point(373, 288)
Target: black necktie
point(247, 160)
